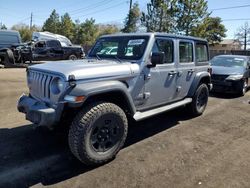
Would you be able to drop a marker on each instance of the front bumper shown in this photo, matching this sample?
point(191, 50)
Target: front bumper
point(227, 86)
point(37, 112)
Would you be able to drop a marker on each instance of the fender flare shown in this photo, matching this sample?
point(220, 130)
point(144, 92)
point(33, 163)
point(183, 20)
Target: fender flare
point(198, 78)
point(92, 89)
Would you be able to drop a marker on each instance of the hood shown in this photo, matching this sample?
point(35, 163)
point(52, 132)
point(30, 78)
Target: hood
point(227, 70)
point(90, 69)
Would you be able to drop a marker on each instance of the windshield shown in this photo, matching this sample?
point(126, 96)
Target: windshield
point(228, 61)
point(125, 47)
point(9, 39)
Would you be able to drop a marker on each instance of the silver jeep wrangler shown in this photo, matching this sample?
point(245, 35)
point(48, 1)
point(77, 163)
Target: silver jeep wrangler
point(125, 76)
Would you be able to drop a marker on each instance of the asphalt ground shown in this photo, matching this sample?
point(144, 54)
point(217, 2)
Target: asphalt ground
point(169, 150)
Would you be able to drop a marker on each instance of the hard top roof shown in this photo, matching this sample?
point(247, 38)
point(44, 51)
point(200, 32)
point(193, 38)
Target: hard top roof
point(8, 31)
point(156, 34)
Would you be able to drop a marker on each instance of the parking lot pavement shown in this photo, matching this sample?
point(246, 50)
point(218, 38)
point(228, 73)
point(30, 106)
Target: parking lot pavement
point(169, 150)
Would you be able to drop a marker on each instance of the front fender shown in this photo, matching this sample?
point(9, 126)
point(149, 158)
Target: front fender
point(103, 87)
point(200, 77)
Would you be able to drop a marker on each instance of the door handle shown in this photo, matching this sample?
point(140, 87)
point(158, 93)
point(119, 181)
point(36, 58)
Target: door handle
point(191, 70)
point(172, 73)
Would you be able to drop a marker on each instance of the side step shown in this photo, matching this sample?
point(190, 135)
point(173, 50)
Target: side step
point(143, 115)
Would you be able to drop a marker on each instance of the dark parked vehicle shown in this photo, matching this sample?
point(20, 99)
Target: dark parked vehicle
point(52, 50)
point(231, 73)
point(9, 41)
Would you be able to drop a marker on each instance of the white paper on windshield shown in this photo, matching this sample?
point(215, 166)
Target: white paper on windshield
point(135, 42)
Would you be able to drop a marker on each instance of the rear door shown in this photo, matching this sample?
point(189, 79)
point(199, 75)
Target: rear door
point(186, 67)
point(55, 50)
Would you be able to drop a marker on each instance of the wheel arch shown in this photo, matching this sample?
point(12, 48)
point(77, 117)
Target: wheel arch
point(203, 77)
point(109, 91)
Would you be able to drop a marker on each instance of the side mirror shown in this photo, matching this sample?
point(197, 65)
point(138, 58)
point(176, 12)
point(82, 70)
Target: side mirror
point(248, 65)
point(157, 58)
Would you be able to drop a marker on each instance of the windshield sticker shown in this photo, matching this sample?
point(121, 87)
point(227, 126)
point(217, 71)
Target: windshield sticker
point(135, 42)
point(238, 59)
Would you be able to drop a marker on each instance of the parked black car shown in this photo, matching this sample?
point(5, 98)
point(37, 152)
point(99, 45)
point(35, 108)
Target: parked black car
point(51, 50)
point(9, 42)
point(231, 73)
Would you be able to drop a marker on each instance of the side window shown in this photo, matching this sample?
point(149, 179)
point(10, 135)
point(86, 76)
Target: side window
point(186, 52)
point(53, 43)
point(40, 44)
point(201, 52)
point(166, 46)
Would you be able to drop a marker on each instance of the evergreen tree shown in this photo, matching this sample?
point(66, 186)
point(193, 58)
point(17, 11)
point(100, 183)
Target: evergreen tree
point(159, 16)
point(211, 29)
point(189, 14)
point(132, 19)
point(88, 32)
point(67, 26)
point(52, 24)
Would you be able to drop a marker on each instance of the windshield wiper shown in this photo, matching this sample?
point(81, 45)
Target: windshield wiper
point(118, 59)
point(98, 57)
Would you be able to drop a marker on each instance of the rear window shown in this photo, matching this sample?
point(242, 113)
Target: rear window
point(201, 52)
point(186, 52)
point(9, 39)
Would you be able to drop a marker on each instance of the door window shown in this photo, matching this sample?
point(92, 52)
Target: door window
point(201, 52)
point(186, 52)
point(53, 44)
point(166, 46)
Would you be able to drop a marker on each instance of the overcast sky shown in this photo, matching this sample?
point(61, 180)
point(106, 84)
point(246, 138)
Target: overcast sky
point(107, 11)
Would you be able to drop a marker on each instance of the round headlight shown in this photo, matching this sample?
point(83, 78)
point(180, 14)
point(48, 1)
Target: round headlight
point(57, 85)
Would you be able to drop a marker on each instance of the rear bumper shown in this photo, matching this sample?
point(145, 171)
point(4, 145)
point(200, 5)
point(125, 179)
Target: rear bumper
point(37, 112)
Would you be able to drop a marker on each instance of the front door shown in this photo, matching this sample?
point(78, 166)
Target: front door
point(160, 81)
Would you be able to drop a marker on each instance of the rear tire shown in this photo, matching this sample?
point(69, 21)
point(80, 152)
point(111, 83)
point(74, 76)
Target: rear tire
point(199, 102)
point(98, 132)
point(72, 57)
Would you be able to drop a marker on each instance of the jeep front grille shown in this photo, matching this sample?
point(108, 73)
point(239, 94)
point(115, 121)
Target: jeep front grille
point(39, 84)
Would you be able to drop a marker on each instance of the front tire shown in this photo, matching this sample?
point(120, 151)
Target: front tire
point(243, 88)
point(199, 102)
point(98, 132)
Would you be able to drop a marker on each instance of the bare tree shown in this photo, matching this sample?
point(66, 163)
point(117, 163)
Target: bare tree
point(243, 35)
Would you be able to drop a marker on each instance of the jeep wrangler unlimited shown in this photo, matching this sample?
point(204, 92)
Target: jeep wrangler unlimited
point(125, 76)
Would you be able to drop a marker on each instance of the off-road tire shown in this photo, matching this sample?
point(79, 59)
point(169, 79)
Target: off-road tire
point(83, 127)
point(194, 108)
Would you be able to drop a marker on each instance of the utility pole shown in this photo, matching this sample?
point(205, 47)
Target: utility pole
point(31, 19)
point(130, 5)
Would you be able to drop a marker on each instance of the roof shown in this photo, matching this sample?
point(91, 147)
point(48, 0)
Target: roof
point(236, 56)
point(229, 41)
point(156, 34)
point(8, 31)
